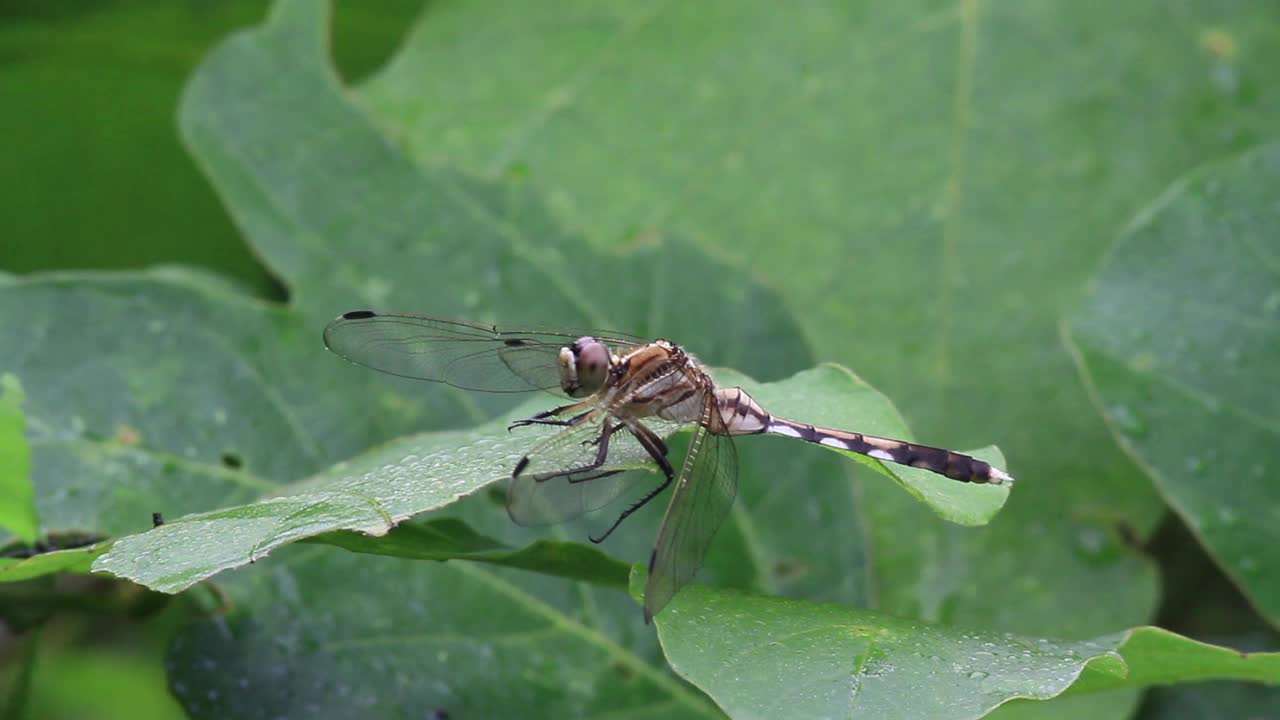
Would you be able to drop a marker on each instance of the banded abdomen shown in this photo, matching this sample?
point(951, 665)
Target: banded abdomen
point(740, 415)
point(944, 462)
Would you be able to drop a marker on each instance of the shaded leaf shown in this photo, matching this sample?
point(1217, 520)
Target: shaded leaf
point(349, 635)
point(66, 552)
point(449, 539)
point(1180, 343)
point(1211, 701)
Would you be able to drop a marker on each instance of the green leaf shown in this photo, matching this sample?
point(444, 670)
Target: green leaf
point(1179, 342)
point(375, 491)
point(64, 552)
point(370, 494)
point(450, 539)
point(915, 313)
point(349, 635)
point(431, 239)
point(761, 657)
point(18, 511)
point(1155, 656)
point(164, 392)
point(832, 396)
point(923, 186)
point(161, 391)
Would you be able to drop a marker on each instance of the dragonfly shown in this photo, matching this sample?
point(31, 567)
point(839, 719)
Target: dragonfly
point(624, 391)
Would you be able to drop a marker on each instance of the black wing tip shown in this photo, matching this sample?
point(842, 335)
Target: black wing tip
point(357, 315)
point(520, 466)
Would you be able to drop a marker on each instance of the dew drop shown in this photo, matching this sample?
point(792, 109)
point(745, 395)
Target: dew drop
point(1091, 540)
point(1272, 303)
point(1126, 420)
point(1227, 515)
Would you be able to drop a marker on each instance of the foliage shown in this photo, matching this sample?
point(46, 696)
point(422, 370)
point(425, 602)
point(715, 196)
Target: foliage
point(773, 192)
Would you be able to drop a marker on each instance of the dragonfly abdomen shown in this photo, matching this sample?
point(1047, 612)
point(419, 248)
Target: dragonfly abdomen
point(739, 414)
point(944, 462)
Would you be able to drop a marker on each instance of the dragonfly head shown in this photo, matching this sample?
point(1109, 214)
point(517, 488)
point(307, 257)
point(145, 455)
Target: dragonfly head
point(584, 366)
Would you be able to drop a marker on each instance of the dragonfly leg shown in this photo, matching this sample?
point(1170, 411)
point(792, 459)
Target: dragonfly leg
point(602, 452)
point(657, 449)
point(594, 476)
point(549, 417)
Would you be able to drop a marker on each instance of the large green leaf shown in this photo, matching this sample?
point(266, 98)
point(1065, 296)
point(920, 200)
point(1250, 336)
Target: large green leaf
point(165, 392)
point(333, 634)
point(413, 475)
point(370, 494)
point(430, 239)
point(768, 657)
point(18, 511)
point(1180, 343)
point(927, 185)
point(345, 218)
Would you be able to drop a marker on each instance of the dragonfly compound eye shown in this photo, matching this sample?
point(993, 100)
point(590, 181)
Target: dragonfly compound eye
point(593, 363)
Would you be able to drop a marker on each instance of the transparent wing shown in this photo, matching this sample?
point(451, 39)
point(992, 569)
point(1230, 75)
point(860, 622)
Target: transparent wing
point(703, 496)
point(575, 471)
point(468, 355)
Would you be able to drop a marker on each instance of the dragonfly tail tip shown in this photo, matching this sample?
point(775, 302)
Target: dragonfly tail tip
point(1000, 477)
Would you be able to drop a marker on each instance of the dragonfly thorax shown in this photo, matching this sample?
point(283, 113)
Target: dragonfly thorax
point(584, 366)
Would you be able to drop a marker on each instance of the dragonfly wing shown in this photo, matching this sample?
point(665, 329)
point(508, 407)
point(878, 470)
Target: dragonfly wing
point(568, 474)
point(704, 494)
point(472, 356)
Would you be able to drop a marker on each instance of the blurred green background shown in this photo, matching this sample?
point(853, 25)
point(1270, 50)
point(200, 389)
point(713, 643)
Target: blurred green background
point(94, 174)
point(899, 211)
